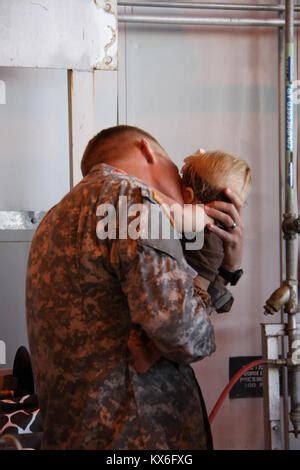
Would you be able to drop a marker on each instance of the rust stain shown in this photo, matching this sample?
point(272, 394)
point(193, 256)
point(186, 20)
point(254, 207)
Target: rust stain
point(39, 5)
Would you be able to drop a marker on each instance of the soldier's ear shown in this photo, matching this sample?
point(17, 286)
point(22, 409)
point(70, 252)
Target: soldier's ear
point(147, 151)
point(188, 194)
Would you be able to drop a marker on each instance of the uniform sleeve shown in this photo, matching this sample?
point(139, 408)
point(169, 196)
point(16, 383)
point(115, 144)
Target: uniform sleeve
point(162, 300)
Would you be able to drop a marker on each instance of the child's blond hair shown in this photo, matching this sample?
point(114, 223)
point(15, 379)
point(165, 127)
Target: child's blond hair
point(209, 173)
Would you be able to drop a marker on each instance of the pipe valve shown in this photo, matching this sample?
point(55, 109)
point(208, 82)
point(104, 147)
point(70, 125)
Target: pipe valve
point(277, 300)
point(290, 225)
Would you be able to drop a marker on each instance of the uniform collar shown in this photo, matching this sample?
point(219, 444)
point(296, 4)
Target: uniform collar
point(106, 168)
point(146, 190)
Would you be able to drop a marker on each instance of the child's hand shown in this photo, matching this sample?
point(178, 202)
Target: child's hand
point(230, 216)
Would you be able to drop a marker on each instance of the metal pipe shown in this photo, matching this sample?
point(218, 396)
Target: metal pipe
point(291, 212)
point(182, 20)
point(281, 163)
point(277, 300)
point(207, 6)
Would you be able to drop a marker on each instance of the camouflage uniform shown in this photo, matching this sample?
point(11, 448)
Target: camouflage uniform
point(83, 296)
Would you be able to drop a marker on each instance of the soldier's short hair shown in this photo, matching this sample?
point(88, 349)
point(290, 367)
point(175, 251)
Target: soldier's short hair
point(209, 173)
point(92, 154)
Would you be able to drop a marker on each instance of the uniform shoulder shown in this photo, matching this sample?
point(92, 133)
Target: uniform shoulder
point(122, 184)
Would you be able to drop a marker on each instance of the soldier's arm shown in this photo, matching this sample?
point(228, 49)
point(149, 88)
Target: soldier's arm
point(159, 286)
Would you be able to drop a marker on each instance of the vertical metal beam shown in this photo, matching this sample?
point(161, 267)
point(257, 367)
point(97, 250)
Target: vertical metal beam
point(281, 163)
point(106, 99)
point(122, 70)
point(272, 404)
point(70, 125)
point(291, 211)
point(81, 118)
point(93, 98)
point(2, 92)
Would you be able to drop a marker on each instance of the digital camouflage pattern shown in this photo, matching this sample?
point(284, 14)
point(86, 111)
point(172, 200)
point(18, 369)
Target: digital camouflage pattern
point(84, 295)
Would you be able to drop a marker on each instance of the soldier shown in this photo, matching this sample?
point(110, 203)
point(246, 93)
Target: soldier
point(85, 294)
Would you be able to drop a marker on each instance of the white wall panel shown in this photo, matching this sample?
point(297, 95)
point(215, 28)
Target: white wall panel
point(65, 34)
point(94, 106)
point(13, 331)
point(34, 147)
point(81, 118)
point(34, 175)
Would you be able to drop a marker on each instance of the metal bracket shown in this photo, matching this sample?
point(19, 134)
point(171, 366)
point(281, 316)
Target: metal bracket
point(108, 61)
point(19, 226)
point(20, 220)
point(272, 403)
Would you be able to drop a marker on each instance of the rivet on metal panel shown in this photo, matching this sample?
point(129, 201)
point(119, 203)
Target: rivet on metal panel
point(107, 5)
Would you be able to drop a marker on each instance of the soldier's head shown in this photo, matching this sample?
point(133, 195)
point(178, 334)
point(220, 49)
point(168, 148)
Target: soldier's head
point(138, 153)
point(205, 175)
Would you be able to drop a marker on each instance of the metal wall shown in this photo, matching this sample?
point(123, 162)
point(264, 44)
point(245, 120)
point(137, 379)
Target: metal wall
point(34, 175)
point(34, 153)
point(38, 163)
point(217, 88)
